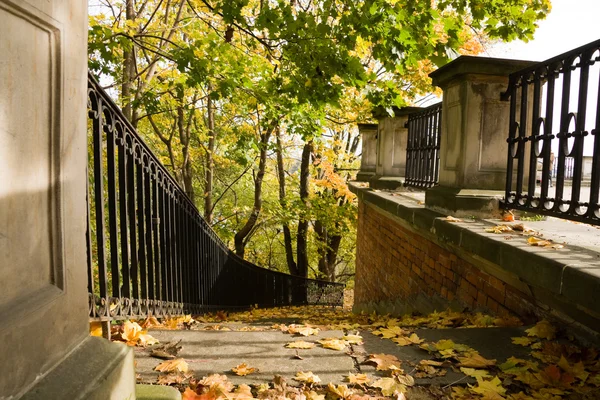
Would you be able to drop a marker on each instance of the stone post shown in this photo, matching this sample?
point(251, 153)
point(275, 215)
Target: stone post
point(392, 137)
point(475, 125)
point(368, 159)
point(45, 348)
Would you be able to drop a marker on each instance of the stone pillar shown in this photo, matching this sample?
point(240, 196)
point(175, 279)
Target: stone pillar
point(475, 125)
point(392, 137)
point(46, 349)
point(368, 159)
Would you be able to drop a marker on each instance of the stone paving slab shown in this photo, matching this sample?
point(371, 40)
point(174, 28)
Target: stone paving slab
point(209, 352)
point(491, 343)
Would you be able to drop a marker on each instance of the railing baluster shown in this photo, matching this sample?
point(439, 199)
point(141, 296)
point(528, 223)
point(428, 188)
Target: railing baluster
point(97, 128)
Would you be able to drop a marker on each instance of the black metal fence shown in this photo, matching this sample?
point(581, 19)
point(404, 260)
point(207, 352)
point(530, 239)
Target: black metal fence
point(554, 124)
point(423, 147)
point(149, 249)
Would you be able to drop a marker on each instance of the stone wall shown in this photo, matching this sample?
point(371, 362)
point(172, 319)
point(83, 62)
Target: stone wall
point(400, 271)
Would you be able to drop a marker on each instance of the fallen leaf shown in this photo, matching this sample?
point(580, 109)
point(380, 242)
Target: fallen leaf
point(146, 340)
point(389, 386)
point(300, 344)
point(303, 330)
point(450, 218)
point(172, 379)
point(131, 332)
point(543, 330)
point(384, 361)
point(499, 229)
point(406, 341)
point(243, 370)
point(486, 387)
point(358, 379)
point(340, 391)
point(353, 339)
point(243, 392)
point(333, 343)
point(475, 360)
point(523, 340)
point(508, 216)
point(178, 364)
point(307, 377)
point(481, 373)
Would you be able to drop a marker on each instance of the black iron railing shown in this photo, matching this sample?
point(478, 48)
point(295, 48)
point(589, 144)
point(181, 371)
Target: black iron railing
point(423, 147)
point(149, 249)
point(554, 120)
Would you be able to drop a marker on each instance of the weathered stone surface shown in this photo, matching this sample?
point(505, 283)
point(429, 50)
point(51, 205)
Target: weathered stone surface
point(156, 392)
point(95, 370)
point(474, 129)
point(217, 352)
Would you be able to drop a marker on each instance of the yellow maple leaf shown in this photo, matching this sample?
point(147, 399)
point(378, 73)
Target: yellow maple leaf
point(358, 379)
point(543, 330)
point(353, 339)
point(146, 340)
point(243, 392)
point(389, 386)
point(489, 386)
point(577, 370)
point(333, 343)
point(523, 340)
point(312, 395)
point(243, 370)
point(177, 364)
point(300, 344)
point(391, 332)
point(131, 332)
point(307, 377)
point(384, 361)
point(475, 372)
point(303, 330)
point(475, 360)
point(340, 391)
point(407, 341)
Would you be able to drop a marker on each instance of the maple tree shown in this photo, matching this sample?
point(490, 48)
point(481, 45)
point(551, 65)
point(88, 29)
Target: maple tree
point(212, 84)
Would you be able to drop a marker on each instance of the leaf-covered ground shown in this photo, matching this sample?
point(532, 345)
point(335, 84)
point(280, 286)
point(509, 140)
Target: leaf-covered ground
point(554, 365)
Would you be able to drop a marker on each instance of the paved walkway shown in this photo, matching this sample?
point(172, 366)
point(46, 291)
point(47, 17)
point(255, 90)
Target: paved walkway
point(211, 351)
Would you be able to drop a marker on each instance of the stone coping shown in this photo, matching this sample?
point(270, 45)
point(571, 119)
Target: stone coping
point(465, 65)
point(572, 272)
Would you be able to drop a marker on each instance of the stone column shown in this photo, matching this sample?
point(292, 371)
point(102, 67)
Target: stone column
point(46, 349)
point(392, 136)
point(368, 159)
point(475, 125)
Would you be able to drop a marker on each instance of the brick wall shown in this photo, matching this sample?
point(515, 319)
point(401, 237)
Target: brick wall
point(395, 262)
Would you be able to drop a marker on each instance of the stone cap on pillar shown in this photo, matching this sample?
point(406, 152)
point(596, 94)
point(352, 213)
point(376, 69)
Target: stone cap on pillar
point(380, 112)
point(366, 127)
point(472, 65)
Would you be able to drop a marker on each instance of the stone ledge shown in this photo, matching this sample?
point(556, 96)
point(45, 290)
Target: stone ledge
point(156, 392)
point(96, 370)
point(572, 274)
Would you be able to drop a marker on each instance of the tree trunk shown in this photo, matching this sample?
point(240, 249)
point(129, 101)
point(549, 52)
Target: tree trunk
point(128, 69)
point(210, 164)
point(287, 234)
point(302, 237)
point(328, 250)
point(241, 236)
point(184, 138)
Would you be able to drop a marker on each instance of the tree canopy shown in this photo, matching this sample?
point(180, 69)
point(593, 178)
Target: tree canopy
point(253, 104)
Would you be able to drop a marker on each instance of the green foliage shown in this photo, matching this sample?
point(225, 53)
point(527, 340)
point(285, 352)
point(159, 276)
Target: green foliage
point(313, 69)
